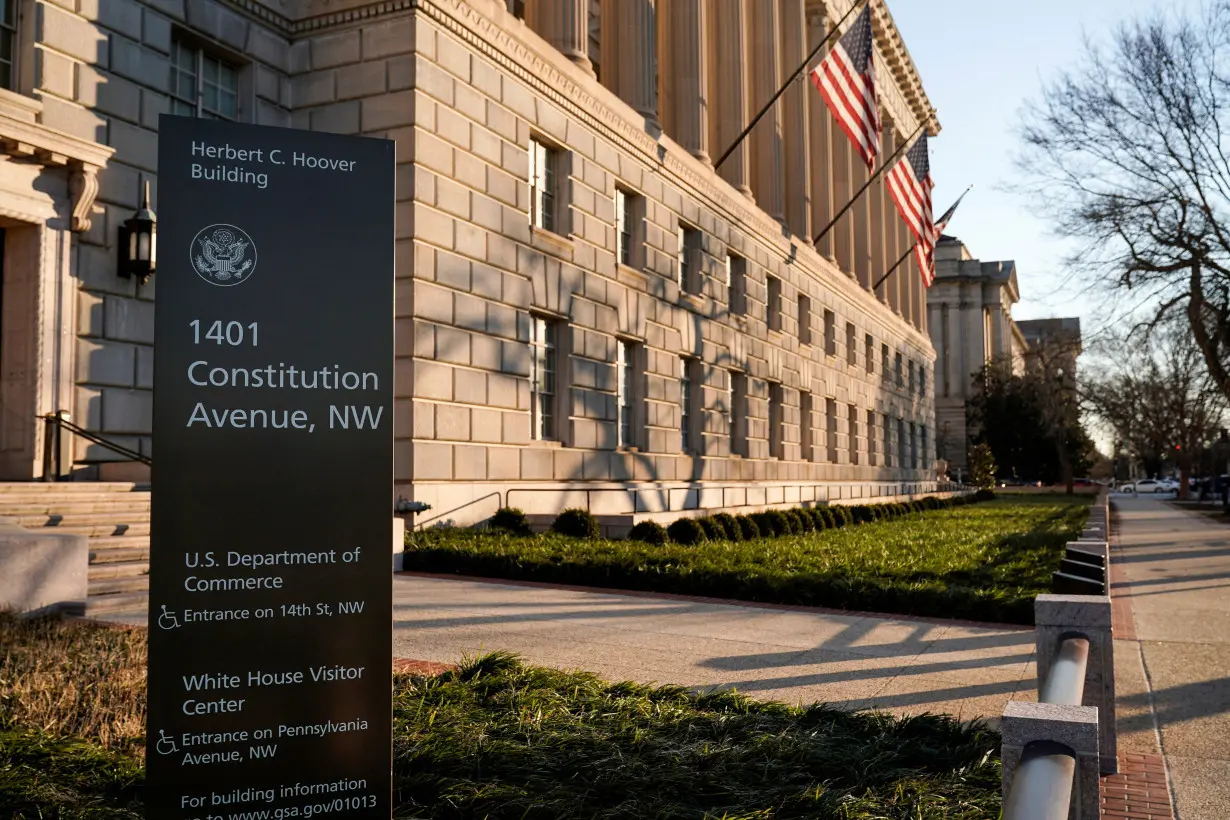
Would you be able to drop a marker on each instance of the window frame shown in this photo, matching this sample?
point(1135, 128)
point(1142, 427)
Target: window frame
point(803, 302)
point(830, 333)
point(629, 228)
point(807, 439)
point(627, 393)
point(830, 425)
point(888, 440)
point(852, 422)
point(687, 261)
point(773, 303)
point(777, 421)
point(690, 386)
point(736, 283)
point(544, 368)
point(13, 32)
point(851, 344)
point(898, 369)
point(544, 177)
point(738, 413)
point(869, 352)
point(871, 437)
point(202, 55)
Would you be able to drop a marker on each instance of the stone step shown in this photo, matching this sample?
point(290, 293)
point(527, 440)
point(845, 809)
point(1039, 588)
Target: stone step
point(91, 524)
point(68, 487)
point(111, 586)
point(119, 548)
point(134, 502)
point(119, 569)
point(117, 602)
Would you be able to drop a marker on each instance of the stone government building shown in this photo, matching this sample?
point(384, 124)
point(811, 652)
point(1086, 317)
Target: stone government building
point(587, 313)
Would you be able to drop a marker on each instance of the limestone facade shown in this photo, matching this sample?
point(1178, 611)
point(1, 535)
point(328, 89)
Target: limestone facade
point(971, 325)
point(587, 312)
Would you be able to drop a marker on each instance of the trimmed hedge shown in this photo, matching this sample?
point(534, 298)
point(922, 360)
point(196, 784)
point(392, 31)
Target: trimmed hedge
point(730, 525)
point(576, 522)
point(510, 519)
point(748, 527)
point(713, 528)
point(649, 532)
point(686, 531)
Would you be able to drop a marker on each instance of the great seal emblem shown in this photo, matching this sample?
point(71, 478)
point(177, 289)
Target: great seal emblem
point(223, 255)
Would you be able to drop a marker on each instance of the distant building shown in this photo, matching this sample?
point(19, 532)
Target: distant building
point(1054, 344)
point(970, 319)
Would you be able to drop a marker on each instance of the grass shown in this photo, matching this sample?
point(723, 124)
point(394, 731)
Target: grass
point(982, 562)
point(497, 739)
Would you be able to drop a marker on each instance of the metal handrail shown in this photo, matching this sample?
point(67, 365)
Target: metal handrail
point(56, 423)
point(422, 524)
point(1042, 786)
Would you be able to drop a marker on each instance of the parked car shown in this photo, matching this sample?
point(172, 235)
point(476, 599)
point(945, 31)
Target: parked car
point(1144, 485)
point(1169, 485)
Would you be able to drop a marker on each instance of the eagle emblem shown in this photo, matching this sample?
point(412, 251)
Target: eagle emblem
point(223, 255)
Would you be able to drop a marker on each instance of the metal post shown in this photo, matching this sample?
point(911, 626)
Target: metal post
point(49, 445)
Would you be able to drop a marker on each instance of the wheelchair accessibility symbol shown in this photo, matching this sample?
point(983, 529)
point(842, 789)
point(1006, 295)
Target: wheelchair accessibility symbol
point(165, 745)
point(168, 620)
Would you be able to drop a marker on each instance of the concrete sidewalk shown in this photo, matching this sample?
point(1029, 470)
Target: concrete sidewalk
point(788, 654)
point(1172, 568)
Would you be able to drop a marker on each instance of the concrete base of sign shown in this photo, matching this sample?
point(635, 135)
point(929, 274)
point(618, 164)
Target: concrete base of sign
point(399, 544)
point(42, 572)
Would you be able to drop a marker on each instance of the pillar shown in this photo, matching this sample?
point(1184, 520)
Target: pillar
point(765, 68)
point(795, 119)
point(688, 75)
point(878, 201)
point(862, 219)
point(565, 25)
point(728, 41)
point(819, 125)
point(888, 229)
point(636, 66)
point(844, 158)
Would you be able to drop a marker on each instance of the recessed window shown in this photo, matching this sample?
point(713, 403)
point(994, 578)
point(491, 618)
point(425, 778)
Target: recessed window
point(830, 424)
point(595, 37)
point(869, 353)
point(773, 302)
point(851, 345)
point(871, 438)
point(629, 227)
point(897, 369)
point(627, 382)
point(689, 395)
point(544, 181)
point(688, 263)
point(854, 448)
point(926, 454)
point(922, 380)
point(776, 433)
point(201, 84)
point(830, 333)
point(8, 44)
point(738, 413)
point(516, 8)
point(736, 283)
point(913, 447)
point(807, 407)
point(804, 320)
point(544, 364)
point(884, 371)
point(911, 381)
point(888, 441)
point(902, 443)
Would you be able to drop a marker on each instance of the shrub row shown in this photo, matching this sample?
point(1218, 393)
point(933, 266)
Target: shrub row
point(580, 523)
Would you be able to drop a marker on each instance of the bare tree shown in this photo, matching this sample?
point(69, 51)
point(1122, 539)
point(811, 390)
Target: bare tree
point(1159, 399)
point(1127, 151)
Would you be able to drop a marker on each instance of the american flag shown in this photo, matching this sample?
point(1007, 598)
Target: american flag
point(909, 182)
point(846, 79)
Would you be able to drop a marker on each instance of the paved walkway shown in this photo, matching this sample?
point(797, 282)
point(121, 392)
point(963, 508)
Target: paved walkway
point(788, 654)
point(1172, 650)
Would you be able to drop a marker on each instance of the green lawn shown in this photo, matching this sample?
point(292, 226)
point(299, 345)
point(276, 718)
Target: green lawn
point(497, 739)
point(984, 562)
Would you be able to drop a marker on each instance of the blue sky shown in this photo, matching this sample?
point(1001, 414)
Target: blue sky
point(980, 61)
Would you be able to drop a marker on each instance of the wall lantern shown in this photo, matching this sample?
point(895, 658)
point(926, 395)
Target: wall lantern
point(138, 245)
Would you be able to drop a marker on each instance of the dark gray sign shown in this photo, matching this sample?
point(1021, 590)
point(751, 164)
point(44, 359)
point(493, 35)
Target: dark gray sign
point(270, 589)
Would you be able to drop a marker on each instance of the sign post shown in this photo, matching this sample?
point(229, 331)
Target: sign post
point(270, 591)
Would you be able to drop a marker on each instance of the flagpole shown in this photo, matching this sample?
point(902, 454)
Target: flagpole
point(867, 184)
point(743, 134)
point(904, 256)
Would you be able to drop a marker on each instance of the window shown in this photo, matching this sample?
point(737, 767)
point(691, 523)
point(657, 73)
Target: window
point(544, 364)
point(689, 259)
point(544, 163)
point(913, 447)
point(776, 438)
point(773, 303)
point(851, 346)
point(901, 443)
point(853, 434)
point(830, 333)
point(8, 44)
point(689, 391)
point(888, 441)
point(738, 413)
point(736, 283)
point(804, 320)
point(807, 407)
point(871, 438)
point(516, 8)
point(926, 455)
point(922, 381)
point(830, 421)
point(629, 215)
point(897, 365)
point(201, 85)
point(595, 37)
point(911, 383)
point(884, 362)
point(627, 360)
point(869, 353)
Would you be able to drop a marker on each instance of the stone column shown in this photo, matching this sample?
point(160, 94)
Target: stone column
point(888, 228)
point(728, 41)
point(878, 201)
point(862, 220)
point(566, 25)
point(795, 119)
point(637, 63)
point(844, 157)
point(688, 74)
point(765, 68)
point(819, 123)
